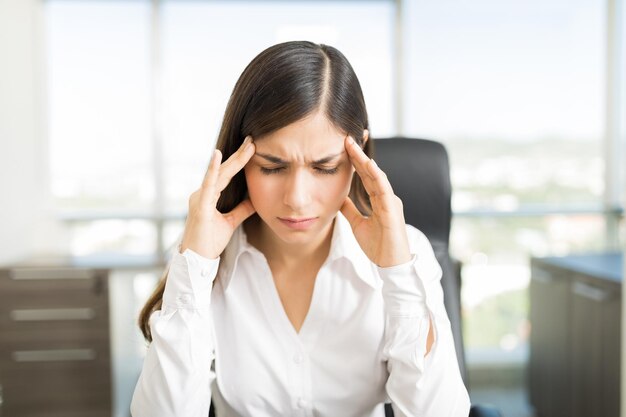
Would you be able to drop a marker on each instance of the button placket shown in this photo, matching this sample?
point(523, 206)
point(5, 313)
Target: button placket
point(300, 373)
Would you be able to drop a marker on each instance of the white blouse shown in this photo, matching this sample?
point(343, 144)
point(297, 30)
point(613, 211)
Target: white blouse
point(362, 343)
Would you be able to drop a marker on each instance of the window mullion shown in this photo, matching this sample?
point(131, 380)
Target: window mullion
point(156, 104)
point(614, 110)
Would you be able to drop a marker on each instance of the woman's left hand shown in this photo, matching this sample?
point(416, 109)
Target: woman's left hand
point(382, 236)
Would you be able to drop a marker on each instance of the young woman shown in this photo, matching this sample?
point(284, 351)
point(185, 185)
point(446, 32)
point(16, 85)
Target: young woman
point(297, 289)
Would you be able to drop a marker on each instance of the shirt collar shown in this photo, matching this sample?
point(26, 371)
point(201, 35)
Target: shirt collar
point(343, 245)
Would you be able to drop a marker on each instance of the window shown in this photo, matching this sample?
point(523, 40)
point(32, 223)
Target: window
point(495, 251)
point(515, 90)
point(99, 126)
point(519, 102)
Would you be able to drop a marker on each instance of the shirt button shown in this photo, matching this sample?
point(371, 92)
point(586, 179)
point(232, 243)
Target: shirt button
point(298, 358)
point(302, 403)
point(184, 299)
point(204, 272)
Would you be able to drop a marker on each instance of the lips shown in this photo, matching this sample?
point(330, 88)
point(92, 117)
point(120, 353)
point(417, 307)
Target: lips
point(302, 223)
point(300, 220)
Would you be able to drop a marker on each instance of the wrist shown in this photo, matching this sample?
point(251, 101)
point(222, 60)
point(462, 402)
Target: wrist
point(396, 258)
point(398, 262)
point(205, 254)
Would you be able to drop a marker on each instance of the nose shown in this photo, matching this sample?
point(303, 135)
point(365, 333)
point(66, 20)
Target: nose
point(297, 193)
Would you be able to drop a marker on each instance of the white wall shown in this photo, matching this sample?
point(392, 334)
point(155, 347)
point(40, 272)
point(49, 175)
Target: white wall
point(27, 224)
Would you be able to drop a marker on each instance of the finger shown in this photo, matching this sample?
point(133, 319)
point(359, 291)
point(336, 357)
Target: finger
point(351, 213)
point(380, 182)
point(360, 161)
point(358, 158)
point(382, 206)
point(235, 163)
point(210, 177)
point(240, 213)
point(373, 178)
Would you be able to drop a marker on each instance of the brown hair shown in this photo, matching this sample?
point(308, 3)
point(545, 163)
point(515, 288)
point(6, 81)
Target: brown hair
point(284, 84)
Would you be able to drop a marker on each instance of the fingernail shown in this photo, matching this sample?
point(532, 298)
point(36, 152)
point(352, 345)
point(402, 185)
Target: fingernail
point(350, 140)
point(246, 143)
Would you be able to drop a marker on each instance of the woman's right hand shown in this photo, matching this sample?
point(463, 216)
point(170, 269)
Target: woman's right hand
point(207, 231)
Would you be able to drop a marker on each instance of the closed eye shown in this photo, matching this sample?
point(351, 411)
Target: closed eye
point(268, 171)
point(326, 170)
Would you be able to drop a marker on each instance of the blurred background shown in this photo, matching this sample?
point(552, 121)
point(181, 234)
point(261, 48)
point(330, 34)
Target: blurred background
point(109, 111)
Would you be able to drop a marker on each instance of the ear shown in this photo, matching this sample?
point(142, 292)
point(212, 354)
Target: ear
point(366, 136)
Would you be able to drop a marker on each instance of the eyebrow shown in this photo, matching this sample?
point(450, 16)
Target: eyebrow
point(278, 160)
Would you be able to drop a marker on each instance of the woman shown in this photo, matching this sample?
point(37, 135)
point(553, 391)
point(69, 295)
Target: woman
point(297, 289)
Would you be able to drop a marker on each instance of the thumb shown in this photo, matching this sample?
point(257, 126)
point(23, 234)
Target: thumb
point(240, 213)
point(351, 213)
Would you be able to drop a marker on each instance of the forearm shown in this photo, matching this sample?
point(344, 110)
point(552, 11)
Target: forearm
point(424, 378)
point(175, 379)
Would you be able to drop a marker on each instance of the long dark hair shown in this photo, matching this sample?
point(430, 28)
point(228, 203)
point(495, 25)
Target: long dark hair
point(284, 84)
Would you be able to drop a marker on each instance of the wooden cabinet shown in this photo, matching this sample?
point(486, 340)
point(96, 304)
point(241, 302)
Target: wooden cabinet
point(549, 368)
point(54, 350)
point(56, 337)
point(595, 327)
point(575, 313)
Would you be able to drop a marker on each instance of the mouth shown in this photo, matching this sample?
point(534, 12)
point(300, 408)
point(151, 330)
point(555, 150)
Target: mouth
point(298, 224)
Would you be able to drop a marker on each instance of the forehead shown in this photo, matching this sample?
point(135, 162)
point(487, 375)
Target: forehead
point(308, 137)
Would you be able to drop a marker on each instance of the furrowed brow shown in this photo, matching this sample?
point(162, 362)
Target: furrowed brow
point(327, 158)
point(278, 160)
point(271, 158)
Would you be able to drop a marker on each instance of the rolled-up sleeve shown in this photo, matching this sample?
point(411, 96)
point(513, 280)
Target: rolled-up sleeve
point(420, 384)
point(176, 376)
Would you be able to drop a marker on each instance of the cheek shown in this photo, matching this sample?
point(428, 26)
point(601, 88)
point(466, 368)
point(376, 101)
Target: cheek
point(338, 186)
point(265, 191)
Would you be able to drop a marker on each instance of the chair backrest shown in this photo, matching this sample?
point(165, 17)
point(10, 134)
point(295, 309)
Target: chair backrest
point(419, 173)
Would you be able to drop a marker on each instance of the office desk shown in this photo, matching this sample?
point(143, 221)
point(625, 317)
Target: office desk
point(575, 314)
point(69, 344)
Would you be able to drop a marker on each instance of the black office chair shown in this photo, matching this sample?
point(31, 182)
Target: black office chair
point(419, 173)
